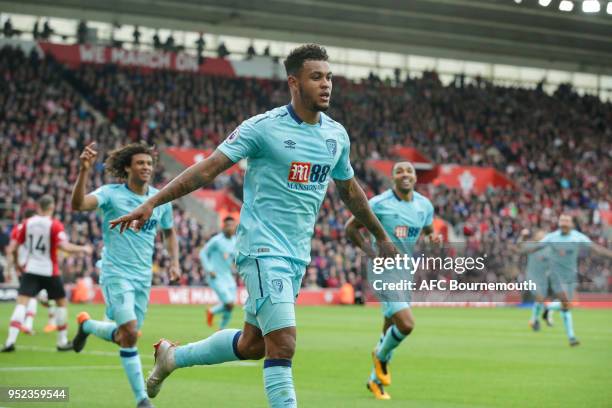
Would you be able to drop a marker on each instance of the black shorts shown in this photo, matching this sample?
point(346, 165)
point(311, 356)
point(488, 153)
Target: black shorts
point(31, 284)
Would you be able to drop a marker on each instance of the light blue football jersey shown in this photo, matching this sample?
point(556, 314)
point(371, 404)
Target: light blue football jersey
point(403, 220)
point(219, 254)
point(129, 255)
point(565, 249)
point(538, 262)
point(289, 165)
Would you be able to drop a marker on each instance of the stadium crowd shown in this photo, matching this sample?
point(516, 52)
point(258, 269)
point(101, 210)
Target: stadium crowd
point(534, 138)
point(44, 125)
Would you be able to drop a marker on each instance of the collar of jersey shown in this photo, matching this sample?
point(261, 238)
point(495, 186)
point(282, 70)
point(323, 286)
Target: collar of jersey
point(300, 121)
point(128, 189)
point(400, 199)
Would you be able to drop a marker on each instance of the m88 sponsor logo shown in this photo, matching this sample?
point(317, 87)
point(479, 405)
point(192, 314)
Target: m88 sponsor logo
point(306, 172)
point(404, 231)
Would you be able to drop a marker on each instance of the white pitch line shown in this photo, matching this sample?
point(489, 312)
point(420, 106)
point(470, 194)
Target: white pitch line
point(115, 354)
point(85, 352)
point(56, 368)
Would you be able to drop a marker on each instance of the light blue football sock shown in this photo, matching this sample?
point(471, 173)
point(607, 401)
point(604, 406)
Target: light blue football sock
point(535, 311)
point(227, 316)
point(554, 306)
point(278, 382)
point(373, 376)
point(130, 360)
point(218, 348)
point(103, 330)
point(216, 309)
point(392, 339)
point(569, 323)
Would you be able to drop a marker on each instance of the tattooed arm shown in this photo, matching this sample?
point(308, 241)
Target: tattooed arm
point(196, 176)
point(355, 199)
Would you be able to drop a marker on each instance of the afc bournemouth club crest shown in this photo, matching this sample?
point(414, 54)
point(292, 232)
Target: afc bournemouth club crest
point(277, 284)
point(331, 147)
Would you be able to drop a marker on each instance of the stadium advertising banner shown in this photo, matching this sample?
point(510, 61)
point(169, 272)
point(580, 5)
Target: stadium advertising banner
point(188, 156)
point(190, 295)
point(75, 55)
point(471, 178)
point(466, 178)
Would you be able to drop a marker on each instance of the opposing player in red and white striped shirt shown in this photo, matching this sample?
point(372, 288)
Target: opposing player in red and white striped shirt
point(17, 256)
point(42, 235)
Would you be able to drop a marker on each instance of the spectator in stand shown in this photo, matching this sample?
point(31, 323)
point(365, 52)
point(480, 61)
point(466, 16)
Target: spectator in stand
point(222, 50)
point(82, 32)
point(251, 52)
point(536, 139)
point(8, 28)
point(47, 31)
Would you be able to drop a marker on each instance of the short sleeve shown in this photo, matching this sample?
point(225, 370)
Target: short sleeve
point(430, 214)
point(343, 169)
point(21, 233)
point(167, 219)
point(374, 205)
point(585, 240)
point(15, 232)
point(548, 238)
point(243, 142)
point(57, 233)
point(206, 252)
point(102, 195)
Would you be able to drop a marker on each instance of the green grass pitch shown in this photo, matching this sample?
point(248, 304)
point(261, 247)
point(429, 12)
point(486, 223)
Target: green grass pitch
point(455, 358)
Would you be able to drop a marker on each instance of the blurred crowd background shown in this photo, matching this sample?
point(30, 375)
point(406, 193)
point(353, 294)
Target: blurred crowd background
point(556, 148)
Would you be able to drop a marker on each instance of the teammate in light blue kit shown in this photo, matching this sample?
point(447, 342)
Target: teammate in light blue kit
point(404, 213)
point(217, 257)
point(565, 245)
point(126, 258)
point(292, 153)
point(538, 271)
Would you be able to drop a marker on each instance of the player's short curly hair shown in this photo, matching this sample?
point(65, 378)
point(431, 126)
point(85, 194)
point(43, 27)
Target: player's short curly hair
point(120, 158)
point(307, 52)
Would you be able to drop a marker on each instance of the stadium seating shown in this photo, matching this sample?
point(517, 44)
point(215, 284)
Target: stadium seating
point(45, 121)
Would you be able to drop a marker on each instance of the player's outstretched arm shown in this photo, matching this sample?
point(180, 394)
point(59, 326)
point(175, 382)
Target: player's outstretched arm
point(173, 250)
point(521, 246)
point(196, 176)
point(601, 250)
point(355, 199)
point(80, 201)
point(75, 249)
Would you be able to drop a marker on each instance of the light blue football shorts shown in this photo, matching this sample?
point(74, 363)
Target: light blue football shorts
point(125, 300)
point(225, 288)
point(541, 280)
point(273, 284)
point(391, 308)
point(562, 281)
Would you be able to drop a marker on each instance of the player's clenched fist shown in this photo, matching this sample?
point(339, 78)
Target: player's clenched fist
point(88, 157)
